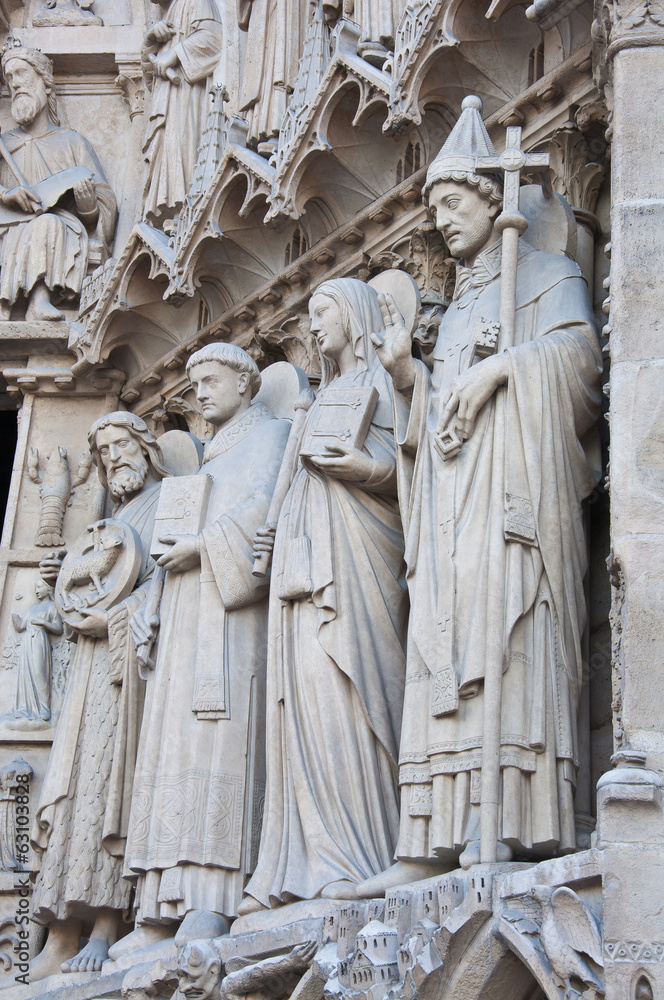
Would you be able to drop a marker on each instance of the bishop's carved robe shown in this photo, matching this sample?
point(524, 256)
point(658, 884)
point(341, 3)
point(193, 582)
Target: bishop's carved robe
point(200, 774)
point(496, 558)
point(178, 112)
point(83, 811)
point(53, 247)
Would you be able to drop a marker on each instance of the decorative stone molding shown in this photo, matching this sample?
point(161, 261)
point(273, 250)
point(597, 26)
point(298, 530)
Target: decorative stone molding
point(419, 24)
point(320, 82)
point(578, 165)
point(624, 24)
point(61, 381)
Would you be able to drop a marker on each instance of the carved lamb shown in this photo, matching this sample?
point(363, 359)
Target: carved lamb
point(93, 566)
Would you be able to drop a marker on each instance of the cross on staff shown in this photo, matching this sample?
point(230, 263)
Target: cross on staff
point(512, 224)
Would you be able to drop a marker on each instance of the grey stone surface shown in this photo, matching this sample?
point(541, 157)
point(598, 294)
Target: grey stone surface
point(269, 156)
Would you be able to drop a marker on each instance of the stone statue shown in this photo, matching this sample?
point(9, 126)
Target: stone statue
point(571, 938)
point(201, 972)
point(15, 778)
point(180, 53)
point(378, 20)
point(82, 816)
point(199, 784)
point(46, 257)
point(275, 31)
point(32, 700)
point(337, 626)
point(66, 13)
point(495, 547)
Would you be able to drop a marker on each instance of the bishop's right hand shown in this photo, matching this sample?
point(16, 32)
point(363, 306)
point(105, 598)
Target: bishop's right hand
point(393, 344)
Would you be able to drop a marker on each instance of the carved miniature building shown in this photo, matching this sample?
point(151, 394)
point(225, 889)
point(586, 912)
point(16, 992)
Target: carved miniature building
point(213, 184)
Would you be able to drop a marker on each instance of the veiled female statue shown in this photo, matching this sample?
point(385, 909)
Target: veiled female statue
point(338, 615)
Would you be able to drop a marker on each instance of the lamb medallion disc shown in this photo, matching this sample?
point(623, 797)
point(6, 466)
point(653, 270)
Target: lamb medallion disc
point(99, 571)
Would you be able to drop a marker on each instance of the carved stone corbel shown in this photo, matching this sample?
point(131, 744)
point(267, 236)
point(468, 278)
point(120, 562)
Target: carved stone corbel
point(131, 84)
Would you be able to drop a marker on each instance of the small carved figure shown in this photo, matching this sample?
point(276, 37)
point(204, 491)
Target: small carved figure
point(32, 700)
point(56, 489)
point(571, 937)
point(82, 815)
point(273, 44)
point(13, 853)
point(337, 633)
point(200, 972)
point(66, 13)
point(180, 53)
point(46, 256)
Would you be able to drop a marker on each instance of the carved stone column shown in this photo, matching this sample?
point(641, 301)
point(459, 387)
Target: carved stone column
point(631, 61)
point(629, 57)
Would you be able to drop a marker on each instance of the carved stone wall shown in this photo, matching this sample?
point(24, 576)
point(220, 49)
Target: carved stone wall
point(334, 190)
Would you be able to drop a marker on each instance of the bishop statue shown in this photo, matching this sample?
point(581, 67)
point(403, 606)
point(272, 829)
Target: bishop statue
point(502, 436)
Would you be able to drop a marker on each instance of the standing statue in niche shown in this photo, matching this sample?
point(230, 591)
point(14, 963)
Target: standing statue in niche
point(504, 455)
point(199, 784)
point(273, 43)
point(83, 811)
point(337, 632)
point(32, 700)
point(180, 53)
point(45, 258)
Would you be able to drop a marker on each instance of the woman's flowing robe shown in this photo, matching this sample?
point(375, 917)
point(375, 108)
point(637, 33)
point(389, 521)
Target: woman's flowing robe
point(335, 675)
point(33, 680)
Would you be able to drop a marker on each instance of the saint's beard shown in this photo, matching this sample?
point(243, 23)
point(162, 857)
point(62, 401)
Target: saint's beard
point(474, 237)
point(25, 108)
point(128, 479)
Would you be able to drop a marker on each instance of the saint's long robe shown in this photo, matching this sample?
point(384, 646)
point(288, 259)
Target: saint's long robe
point(200, 773)
point(336, 669)
point(178, 112)
point(273, 46)
point(496, 558)
point(83, 811)
point(52, 247)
